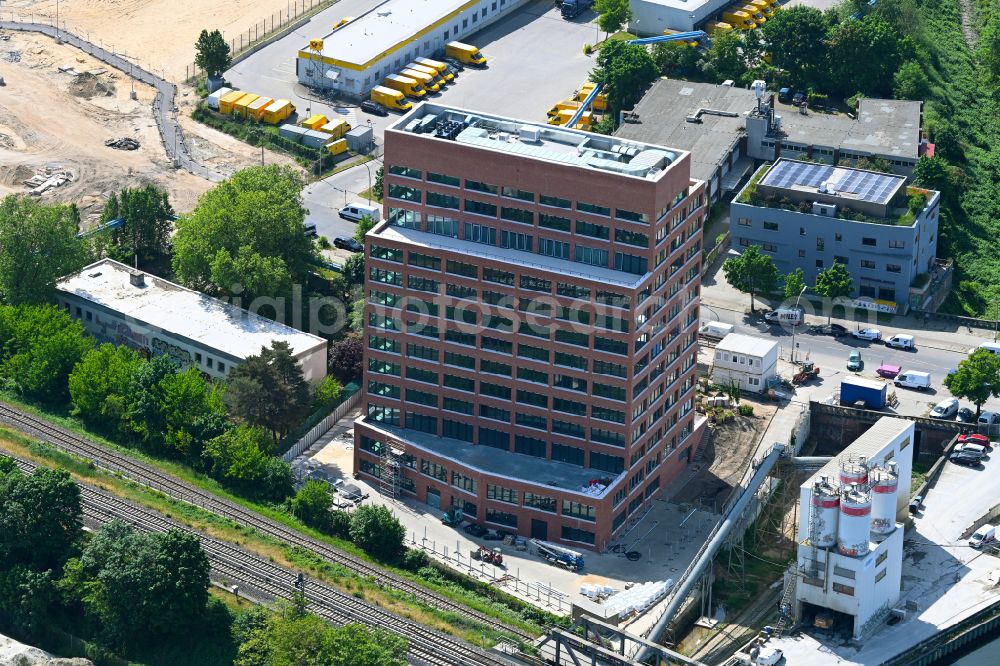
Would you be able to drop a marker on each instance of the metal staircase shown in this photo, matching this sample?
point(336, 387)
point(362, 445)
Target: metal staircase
point(785, 605)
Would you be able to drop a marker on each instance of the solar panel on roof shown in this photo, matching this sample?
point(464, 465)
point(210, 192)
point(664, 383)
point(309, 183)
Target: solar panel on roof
point(864, 185)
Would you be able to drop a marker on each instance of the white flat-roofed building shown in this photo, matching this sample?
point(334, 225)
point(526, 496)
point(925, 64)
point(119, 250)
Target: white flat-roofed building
point(850, 532)
point(358, 55)
point(121, 305)
point(652, 17)
point(746, 360)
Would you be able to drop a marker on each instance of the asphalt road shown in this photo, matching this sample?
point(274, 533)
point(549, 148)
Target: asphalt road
point(324, 199)
point(164, 108)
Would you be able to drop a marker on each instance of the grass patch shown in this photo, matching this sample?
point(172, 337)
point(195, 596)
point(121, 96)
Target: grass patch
point(461, 589)
point(918, 474)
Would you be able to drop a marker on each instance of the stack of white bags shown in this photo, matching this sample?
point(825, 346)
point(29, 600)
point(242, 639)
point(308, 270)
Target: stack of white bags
point(638, 598)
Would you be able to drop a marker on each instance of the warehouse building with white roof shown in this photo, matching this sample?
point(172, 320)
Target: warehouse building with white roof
point(121, 305)
point(358, 55)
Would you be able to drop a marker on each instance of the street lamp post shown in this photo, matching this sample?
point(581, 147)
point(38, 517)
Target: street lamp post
point(802, 291)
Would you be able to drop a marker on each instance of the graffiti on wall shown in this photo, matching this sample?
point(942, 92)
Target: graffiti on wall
point(178, 354)
point(125, 335)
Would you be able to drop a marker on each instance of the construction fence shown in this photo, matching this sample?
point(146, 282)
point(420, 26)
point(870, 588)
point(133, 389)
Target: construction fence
point(320, 429)
point(262, 33)
point(537, 594)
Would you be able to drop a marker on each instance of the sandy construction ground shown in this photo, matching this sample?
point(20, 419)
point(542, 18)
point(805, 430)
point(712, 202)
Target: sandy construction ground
point(161, 33)
point(48, 117)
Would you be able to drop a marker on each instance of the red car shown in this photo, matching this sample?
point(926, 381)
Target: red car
point(981, 440)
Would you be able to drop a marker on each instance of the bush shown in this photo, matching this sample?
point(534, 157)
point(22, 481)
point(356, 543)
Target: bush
point(340, 524)
point(745, 410)
point(324, 242)
point(414, 559)
point(587, 49)
point(378, 532)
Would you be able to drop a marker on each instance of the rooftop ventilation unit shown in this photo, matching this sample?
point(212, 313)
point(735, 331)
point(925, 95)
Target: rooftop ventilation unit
point(529, 134)
point(759, 87)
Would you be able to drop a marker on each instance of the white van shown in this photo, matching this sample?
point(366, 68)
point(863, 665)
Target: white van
point(914, 380)
point(983, 536)
point(716, 329)
point(356, 211)
point(901, 341)
point(784, 316)
point(993, 347)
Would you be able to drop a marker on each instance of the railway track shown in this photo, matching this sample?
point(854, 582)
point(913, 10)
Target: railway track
point(150, 476)
point(269, 580)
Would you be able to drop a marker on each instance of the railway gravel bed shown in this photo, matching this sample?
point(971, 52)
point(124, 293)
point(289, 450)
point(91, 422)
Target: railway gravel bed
point(149, 476)
point(236, 565)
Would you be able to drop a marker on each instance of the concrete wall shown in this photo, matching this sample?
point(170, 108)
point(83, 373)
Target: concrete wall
point(799, 236)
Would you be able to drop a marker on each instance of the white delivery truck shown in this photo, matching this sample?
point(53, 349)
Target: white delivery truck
point(785, 316)
point(715, 329)
point(984, 535)
point(901, 341)
point(913, 379)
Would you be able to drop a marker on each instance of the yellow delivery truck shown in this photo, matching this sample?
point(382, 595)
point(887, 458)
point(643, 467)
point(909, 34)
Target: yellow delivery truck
point(335, 128)
point(316, 121)
point(390, 99)
point(425, 79)
point(404, 84)
point(441, 67)
point(430, 71)
point(465, 53)
point(227, 101)
point(718, 28)
point(738, 19)
point(600, 101)
point(755, 13)
point(241, 105)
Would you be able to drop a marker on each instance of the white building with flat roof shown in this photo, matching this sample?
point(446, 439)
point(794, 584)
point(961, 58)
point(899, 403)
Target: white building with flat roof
point(746, 360)
point(121, 305)
point(358, 55)
point(652, 17)
point(850, 533)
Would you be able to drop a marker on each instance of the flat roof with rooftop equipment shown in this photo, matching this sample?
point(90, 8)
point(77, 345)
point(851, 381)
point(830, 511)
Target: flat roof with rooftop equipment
point(842, 182)
point(539, 141)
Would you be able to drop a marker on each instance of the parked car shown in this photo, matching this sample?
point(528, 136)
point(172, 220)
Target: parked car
point(945, 409)
point(854, 362)
point(349, 491)
point(966, 415)
point(969, 459)
point(836, 330)
point(972, 449)
point(455, 64)
point(310, 231)
point(981, 440)
point(785, 95)
point(916, 504)
point(475, 529)
point(988, 419)
point(870, 334)
point(374, 108)
point(345, 243)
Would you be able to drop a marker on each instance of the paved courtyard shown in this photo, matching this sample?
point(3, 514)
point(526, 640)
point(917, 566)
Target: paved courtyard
point(664, 545)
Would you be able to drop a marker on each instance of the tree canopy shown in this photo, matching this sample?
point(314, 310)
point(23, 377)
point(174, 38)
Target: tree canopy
point(752, 273)
point(241, 458)
point(378, 532)
point(976, 378)
point(40, 518)
point(268, 390)
point(796, 38)
point(347, 355)
point(39, 247)
point(245, 237)
point(613, 15)
point(100, 383)
point(834, 282)
point(39, 346)
point(795, 283)
point(212, 53)
point(626, 70)
point(146, 231)
point(312, 504)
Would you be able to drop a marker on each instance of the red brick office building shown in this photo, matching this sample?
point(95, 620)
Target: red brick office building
point(531, 324)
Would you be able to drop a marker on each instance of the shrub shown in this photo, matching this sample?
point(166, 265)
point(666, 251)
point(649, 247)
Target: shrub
point(414, 559)
point(587, 49)
point(378, 532)
point(745, 410)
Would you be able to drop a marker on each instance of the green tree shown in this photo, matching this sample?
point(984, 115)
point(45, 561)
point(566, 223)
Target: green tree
point(796, 39)
point(244, 238)
point(39, 247)
point(378, 532)
point(976, 378)
point(752, 273)
point(988, 49)
point(328, 391)
point(144, 416)
point(268, 390)
point(725, 58)
point(99, 386)
point(365, 224)
point(864, 55)
point(28, 597)
point(146, 231)
point(910, 82)
point(677, 59)
point(142, 584)
point(354, 269)
point(795, 283)
point(40, 518)
point(626, 70)
point(832, 283)
point(241, 458)
point(613, 15)
point(358, 645)
point(935, 174)
point(212, 53)
point(39, 346)
point(312, 504)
